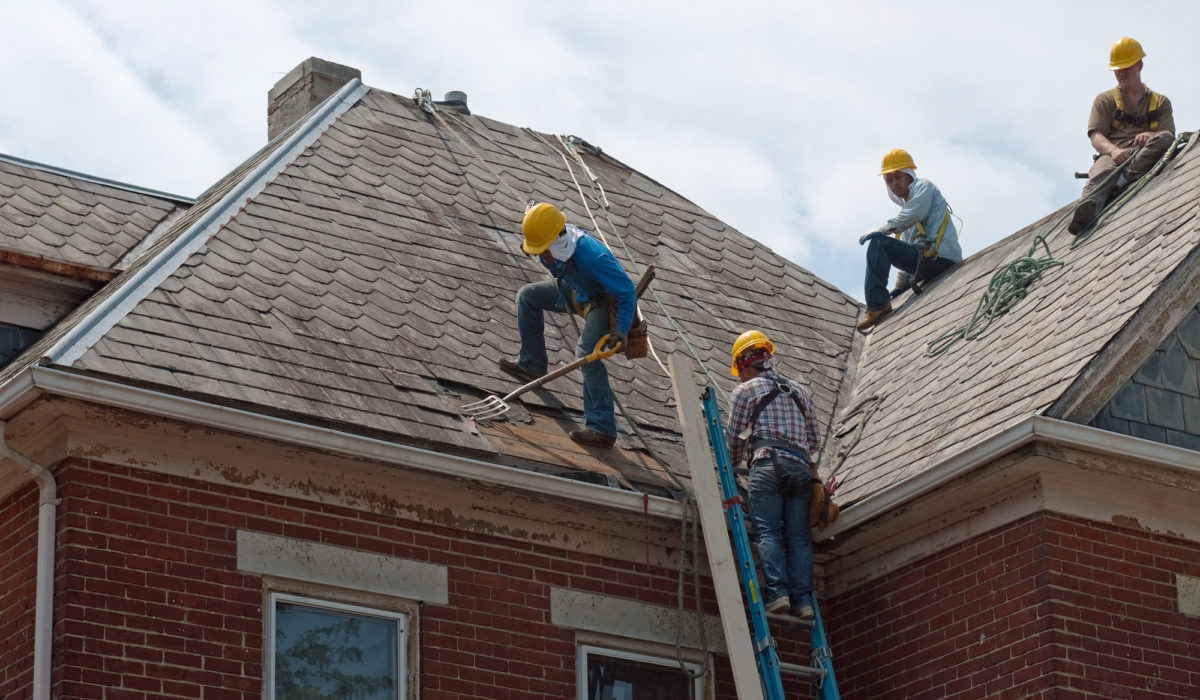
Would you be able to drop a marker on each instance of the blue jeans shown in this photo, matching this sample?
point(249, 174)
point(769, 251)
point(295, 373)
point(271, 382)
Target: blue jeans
point(781, 534)
point(886, 252)
point(532, 302)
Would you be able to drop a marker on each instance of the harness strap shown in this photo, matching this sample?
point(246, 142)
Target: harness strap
point(781, 387)
point(932, 252)
point(1150, 117)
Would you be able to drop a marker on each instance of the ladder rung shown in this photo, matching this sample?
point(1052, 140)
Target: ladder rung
point(790, 620)
point(798, 670)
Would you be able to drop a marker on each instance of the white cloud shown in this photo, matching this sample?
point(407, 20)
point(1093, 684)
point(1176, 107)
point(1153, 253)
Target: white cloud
point(771, 115)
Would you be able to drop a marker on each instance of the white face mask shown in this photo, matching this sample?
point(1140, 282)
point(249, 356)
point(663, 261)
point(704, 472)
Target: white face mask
point(563, 246)
point(892, 195)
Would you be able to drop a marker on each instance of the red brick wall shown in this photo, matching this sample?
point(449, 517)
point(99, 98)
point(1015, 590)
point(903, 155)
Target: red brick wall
point(18, 576)
point(151, 602)
point(1048, 607)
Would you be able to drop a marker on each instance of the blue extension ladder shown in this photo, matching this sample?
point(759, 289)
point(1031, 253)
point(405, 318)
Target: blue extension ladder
point(769, 667)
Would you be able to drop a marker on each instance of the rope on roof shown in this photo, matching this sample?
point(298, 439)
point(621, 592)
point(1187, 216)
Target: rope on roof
point(1010, 281)
point(1008, 286)
point(425, 102)
point(1131, 191)
point(601, 200)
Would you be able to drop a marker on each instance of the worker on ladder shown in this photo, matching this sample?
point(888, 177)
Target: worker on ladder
point(773, 421)
point(588, 279)
point(920, 240)
point(1130, 117)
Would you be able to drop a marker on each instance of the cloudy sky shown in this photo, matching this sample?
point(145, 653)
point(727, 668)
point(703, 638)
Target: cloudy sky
point(773, 116)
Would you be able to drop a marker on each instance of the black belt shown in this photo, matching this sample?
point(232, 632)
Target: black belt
point(758, 443)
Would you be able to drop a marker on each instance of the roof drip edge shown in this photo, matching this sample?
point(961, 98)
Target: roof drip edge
point(1028, 430)
point(147, 401)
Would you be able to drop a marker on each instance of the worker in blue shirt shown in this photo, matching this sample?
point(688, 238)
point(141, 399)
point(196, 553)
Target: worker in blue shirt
point(587, 281)
point(922, 232)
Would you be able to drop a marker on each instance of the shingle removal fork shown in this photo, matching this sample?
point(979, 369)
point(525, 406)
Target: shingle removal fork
point(493, 406)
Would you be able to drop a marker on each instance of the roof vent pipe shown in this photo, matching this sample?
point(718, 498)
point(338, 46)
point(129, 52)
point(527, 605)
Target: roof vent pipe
point(456, 100)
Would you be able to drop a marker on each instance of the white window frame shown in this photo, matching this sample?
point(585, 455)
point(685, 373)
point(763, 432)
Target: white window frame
point(582, 651)
point(274, 597)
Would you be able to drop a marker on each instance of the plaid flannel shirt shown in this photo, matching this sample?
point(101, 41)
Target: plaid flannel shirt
point(779, 420)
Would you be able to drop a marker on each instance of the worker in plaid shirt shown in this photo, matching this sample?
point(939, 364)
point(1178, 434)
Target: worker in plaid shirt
point(774, 420)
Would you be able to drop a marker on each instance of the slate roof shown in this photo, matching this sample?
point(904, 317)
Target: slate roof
point(920, 410)
point(67, 217)
point(370, 285)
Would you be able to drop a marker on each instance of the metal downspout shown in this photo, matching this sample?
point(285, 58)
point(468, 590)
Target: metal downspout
point(44, 610)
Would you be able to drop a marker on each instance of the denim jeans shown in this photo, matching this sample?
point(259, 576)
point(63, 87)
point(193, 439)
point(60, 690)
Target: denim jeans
point(532, 302)
point(781, 535)
point(886, 252)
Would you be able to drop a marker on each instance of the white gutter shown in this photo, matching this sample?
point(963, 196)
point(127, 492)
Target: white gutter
point(330, 440)
point(43, 623)
point(1031, 429)
point(89, 329)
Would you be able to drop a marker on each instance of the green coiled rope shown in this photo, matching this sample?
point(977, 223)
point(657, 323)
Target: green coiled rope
point(1007, 287)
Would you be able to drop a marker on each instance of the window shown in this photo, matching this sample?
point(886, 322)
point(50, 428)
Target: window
point(606, 674)
point(318, 650)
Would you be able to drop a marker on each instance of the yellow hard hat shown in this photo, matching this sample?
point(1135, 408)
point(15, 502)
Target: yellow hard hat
point(541, 225)
point(748, 341)
point(1125, 53)
point(896, 159)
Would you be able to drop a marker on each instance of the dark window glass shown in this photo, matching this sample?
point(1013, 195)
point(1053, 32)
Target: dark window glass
point(627, 679)
point(329, 654)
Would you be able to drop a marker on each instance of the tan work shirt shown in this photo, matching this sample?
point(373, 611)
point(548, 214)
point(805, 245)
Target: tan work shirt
point(1104, 109)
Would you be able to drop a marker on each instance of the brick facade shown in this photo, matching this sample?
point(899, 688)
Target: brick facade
point(1047, 607)
point(149, 602)
point(18, 572)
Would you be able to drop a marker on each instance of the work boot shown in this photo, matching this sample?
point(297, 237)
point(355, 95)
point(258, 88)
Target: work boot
point(873, 316)
point(779, 606)
point(804, 612)
point(518, 371)
point(593, 438)
point(1082, 218)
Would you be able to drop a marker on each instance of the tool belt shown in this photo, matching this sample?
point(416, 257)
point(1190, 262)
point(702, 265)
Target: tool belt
point(637, 340)
point(822, 511)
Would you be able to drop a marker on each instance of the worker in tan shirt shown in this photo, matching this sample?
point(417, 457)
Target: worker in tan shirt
point(1128, 121)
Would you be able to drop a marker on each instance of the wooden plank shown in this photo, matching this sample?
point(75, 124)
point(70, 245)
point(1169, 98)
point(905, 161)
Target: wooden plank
point(707, 490)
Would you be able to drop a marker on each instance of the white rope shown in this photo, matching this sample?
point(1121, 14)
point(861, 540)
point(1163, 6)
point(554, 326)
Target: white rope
point(602, 202)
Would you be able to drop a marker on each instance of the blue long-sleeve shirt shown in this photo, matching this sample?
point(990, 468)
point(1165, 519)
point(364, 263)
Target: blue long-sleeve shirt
point(927, 206)
point(593, 269)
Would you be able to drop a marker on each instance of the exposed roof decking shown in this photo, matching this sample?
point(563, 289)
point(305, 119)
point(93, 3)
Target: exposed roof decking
point(371, 284)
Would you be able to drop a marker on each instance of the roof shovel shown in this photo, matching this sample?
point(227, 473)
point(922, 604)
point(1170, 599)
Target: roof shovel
point(494, 406)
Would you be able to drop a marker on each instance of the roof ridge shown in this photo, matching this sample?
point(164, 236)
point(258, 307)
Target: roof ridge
point(138, 189)
point(140, 284)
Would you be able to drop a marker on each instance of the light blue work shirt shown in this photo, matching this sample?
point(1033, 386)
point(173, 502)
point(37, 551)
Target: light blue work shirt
point(927, 206)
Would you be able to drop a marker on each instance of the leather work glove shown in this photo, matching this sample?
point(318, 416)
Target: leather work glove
point(903, 283)
point(862, 240)
point(616, 339)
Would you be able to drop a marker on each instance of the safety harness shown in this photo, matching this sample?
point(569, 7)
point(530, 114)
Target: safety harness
point(1150, 117)
point(931, 252)
point(782, 387)
point(821, 509)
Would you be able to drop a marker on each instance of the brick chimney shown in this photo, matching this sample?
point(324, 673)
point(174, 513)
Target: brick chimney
point(302, 89)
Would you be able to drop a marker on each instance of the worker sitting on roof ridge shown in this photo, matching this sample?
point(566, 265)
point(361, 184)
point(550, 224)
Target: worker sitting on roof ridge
point(925, 242)
point(773, 420)
point(1126, 118)
point(587, 281)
